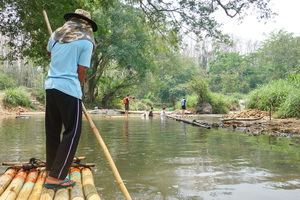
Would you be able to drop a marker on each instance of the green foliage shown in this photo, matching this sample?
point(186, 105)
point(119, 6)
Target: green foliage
point(125, 53)
point(17, 97)
point(24, 24)
point(279, 54)
point(220, 103)
point(192, 101)
point(238, 96)
point(168, 81)
point(294, 79)
point(134, 41)
point(173, 76)
point(291, 106)
point(234, 73)
point(272, 94)
point(40, 95)
point(148, 102)
point(6, 82)
point(138, 106)
point(199, 87)
point(277, 58)
point(282, 95)
point(23, 19)
point(196, 16)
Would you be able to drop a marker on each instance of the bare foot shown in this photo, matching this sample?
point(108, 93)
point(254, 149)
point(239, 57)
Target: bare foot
point(54, 181)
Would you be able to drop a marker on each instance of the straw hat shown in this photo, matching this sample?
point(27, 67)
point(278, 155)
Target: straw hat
point(82, 14)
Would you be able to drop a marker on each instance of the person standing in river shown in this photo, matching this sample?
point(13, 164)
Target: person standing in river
point(70, 48)
point(126, 104)
point(183, 106)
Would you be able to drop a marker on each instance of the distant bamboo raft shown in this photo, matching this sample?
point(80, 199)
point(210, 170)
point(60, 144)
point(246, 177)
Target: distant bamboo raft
point(192, 122)
point(19, 184)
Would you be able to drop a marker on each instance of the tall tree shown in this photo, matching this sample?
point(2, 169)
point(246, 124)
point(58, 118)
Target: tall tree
point(170, 81)
point(125, 46)
point(197, 15)
point(232, 72)
point(280, 53)
point(24, 24)
point(22, 20)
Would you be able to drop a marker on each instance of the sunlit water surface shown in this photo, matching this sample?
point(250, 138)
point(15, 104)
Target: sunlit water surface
point(165, 159)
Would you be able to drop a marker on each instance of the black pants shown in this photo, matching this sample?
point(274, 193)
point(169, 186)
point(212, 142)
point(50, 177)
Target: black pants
point(61, 110)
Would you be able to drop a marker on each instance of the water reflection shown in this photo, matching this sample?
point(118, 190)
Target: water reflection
point(165, 159)
point(125, 128)
point(183, 127)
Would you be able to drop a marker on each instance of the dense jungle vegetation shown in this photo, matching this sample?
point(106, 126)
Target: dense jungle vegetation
point(144, 51)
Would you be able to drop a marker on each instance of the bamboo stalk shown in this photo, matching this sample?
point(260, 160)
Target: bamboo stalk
point(38, 187)
point(62, 193)
point(76, 191)
point(47, 194)
point(15, 186)
point(89, 188)
point(47, 22)
point(107, 155)
point(6, 178)
point(99, 138)
point(28, 185)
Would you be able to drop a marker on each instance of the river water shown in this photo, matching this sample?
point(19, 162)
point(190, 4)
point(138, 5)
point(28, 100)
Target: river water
point(162, 159)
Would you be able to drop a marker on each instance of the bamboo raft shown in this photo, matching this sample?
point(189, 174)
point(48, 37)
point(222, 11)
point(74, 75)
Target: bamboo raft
point(27, 183)
point(192, 122)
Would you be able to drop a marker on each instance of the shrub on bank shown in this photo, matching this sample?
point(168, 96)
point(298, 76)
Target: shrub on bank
point(272, 94)
point(6, 82)
point(17, 97)
point(40, 95)
point(291, 106)
point(282, 96)
point(192, 101)
point(220, 103)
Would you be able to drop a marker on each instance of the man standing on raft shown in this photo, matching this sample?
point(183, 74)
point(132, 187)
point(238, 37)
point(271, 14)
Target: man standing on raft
point(70, 47)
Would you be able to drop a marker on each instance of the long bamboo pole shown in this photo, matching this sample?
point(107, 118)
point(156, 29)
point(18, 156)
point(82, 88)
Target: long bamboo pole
point(98, 136)
point(107, 154)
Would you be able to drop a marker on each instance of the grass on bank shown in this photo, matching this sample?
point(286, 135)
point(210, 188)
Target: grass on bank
point(17, 97)
point(281, 96)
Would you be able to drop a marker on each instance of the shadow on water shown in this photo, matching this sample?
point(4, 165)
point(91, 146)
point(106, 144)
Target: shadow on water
point(165, 159)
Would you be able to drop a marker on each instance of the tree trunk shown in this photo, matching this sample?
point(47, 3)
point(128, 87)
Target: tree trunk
point(90, 86)
point(89, 91)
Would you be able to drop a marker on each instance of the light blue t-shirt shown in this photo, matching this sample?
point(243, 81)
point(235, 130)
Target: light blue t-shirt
point(65, 59)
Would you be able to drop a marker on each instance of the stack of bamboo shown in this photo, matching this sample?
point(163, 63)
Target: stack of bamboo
point(23, 185)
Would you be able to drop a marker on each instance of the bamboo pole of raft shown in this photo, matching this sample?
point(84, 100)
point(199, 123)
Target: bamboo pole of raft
point(28, 185)
point(62, 193)
point(47, 194)
point(76, 192)
point(6, 178)
point(98, 136)
point(107, 155)
point(89, 188)
point(38, 187)
point(15, 186)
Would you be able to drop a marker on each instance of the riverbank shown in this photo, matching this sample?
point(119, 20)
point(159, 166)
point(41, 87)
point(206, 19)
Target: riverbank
point(289, 127)
point(253, 121)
